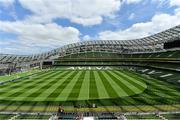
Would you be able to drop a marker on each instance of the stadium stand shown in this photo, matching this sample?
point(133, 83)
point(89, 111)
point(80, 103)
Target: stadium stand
point(32, 117)
point(147, 46)
point(6, 116)
point(143, 117)
point(174, 116)
point(153, 57)
point(155, 60)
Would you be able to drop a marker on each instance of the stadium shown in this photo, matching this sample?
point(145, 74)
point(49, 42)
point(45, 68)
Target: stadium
point(105, 79)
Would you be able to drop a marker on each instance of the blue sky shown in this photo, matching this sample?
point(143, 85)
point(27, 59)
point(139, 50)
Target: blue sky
point(34, 26)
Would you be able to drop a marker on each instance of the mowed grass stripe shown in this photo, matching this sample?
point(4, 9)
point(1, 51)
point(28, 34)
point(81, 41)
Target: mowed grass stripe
point(54, 94)
point(157, 86)
point(43, 74)
point(84, 91)
point(134, 80)
point(23, 80)
point(77, 87)
point(18, 84)
point(100, 86)
point(154, 90)
point(47, 92)
point(124, 83)
point(93, 92)
point(120, 87)
point(55, 81)
point(35, 92)
point(107, 84)
point(69, 87)
point(18, 87)
point(161, 91)
point(24, 88)
point(19, 91)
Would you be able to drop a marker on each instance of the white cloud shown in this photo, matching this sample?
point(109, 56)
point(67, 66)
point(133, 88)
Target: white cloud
point(39, 36)
point(132, 1)
point(175, 2)
point(170, 2)
point(158, 23)
point(131, 16)
point(87, 38)
point(85, 12)
point(6, 2)
point(33, 36)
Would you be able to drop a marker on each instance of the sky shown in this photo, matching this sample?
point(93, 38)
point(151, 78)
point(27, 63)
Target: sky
point(36, 26)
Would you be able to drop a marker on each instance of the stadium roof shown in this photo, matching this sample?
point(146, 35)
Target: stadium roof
point(146, 44)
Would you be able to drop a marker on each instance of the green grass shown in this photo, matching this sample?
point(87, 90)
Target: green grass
point(6, 116)
point(18, 75)
point(70, 85)
point(175, 116)
point(85, 87)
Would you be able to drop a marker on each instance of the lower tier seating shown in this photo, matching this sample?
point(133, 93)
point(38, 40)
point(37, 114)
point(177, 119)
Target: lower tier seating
point(165, 60)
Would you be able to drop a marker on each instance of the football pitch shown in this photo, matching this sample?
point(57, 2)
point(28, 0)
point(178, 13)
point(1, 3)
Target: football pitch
point(105, 87)
point(73, 85)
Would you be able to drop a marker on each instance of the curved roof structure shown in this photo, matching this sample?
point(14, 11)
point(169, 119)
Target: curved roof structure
point(146, 44)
